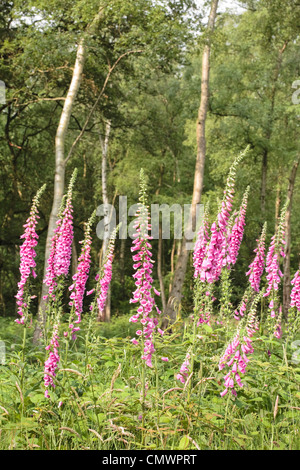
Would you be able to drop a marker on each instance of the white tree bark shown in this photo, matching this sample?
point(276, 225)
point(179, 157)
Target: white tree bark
point(104, 147)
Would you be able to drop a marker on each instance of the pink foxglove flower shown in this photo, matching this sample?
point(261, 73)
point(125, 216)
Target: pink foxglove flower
point(256, 268)
point(144, 293)
point(238, 314)
point(63, 246)
point(215, 249)
point(61, 243)
point(51, 278)
point(277, 329)
point(276, 250)
point(236, 354)
point(295, 293)
point(200, 245)
point(293, 314)
point(51, 363)
point(104, 278)
point(184, 369)
point(273, 269)
point(205, 308)
point(80, 278)
point(235, 235)
point(27, 255)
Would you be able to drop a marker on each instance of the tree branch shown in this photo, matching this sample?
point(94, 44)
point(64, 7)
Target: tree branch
point(96, 102)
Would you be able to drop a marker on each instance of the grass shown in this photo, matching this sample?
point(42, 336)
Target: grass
point(97, 402)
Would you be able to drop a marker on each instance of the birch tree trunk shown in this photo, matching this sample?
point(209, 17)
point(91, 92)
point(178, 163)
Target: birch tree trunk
point(59, 178)
point(74, 258)
point(181, 265)
point(159, 269)
point(287, 259)
point(104, 147)
point(172, 263)
point(122, 266)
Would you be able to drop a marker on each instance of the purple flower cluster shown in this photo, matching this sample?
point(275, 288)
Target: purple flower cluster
point(237, 352)
point(215, 249)
point(61, 244)
point(63, 249)
point(295, 293)
point(184, 370)
point(50, 278)
point(238, 314)
point(272, 267)
point(276, 250)
point(236, 234)
point(143, 265)
point(105, 278)
point(235, 357)
point(80, 278)
point(256, 268)
point(205, 309)
point(27, 255)
point(200, 245)
point(52, 361)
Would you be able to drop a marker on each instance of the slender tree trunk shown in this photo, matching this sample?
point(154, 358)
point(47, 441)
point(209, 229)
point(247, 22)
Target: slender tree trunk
point(104, 147)
point(160, 244)
point(172, 263)
point(122, 265)
point(181, 265)
point(159, 269)
point(287, 259)
point(59, 179)
point(269, 129)
point(74, 258)
point(277, 201)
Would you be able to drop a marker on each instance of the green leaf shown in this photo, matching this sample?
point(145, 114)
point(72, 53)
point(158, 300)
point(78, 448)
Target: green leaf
point(207, 328)
point(184, 443)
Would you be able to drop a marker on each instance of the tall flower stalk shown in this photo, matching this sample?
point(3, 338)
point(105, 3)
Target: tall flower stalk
point(242, 308)
point(143, 265)
point(143, 296)
point(51, 364)
point(216, 247)
point(276, 250)
point(235, 357)
point(255, 272)
point(103, 278)
point(274, 274)
point(27, 255)
point(80, 279)
point(201, 242)
point(56, 273)
point(27, 269)
point(235, 235)
point(256, 268)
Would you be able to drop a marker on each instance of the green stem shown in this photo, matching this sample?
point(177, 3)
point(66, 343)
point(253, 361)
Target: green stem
point(225, 420)
point(143, 390)
point(192, 357)
point(23, 356)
